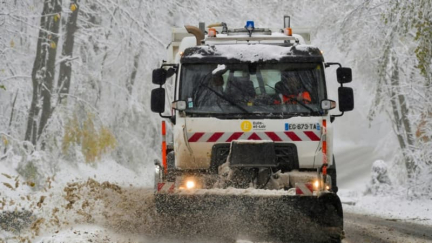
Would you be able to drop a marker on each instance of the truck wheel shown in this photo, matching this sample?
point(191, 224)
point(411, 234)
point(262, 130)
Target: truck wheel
point(331, 171)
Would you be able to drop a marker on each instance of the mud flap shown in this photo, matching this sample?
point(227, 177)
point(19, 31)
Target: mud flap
point(257, 217)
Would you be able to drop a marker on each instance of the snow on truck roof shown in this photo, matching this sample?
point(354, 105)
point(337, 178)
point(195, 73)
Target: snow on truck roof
point(251, 53)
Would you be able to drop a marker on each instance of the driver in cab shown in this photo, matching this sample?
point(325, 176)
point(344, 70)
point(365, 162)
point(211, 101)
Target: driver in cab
point(291, 91)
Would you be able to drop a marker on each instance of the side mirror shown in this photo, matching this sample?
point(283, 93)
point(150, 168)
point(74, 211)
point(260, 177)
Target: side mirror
point(159, 76)
point(158, 100)
point(346, 99)
point(328, 104)
point(179, 105)
point(344, 75)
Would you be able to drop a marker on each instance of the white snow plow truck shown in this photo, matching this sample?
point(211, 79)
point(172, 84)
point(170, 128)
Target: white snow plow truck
point(250, 151)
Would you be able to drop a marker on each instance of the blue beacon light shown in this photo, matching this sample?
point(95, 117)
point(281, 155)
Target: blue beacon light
point(250, 25)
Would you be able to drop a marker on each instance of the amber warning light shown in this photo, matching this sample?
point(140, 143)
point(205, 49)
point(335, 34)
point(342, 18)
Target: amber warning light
point(287, 26)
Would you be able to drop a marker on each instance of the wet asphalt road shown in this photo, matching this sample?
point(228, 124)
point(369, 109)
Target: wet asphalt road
point(362, 228)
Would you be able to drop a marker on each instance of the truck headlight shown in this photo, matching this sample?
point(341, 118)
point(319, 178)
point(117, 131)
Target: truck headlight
point(316, 185)
point(190, 184)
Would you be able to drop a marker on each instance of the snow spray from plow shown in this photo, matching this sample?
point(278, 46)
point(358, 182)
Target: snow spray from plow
point(258, 218)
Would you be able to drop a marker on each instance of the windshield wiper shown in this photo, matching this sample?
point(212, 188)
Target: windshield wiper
point(226, 99)
point(201, 84)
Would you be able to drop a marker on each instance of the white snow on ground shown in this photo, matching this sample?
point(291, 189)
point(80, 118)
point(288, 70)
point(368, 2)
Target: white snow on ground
point(354, 163)
point(388, 207)
point(75, 195)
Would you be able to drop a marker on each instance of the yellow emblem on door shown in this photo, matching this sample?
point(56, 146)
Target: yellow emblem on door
point(246, 126)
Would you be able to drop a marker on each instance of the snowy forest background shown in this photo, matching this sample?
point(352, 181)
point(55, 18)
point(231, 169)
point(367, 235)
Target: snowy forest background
point(75, 76)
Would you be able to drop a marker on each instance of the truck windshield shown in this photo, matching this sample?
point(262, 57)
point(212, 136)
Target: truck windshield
point(267, 89)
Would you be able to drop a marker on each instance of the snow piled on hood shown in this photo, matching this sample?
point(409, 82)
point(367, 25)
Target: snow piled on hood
point(255, 53)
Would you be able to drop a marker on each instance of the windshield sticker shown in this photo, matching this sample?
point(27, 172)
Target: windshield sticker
point(246, 126)
point(190, 102)
point(302, 126)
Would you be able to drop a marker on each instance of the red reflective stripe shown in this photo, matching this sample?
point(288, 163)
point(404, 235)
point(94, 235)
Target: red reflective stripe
point(234, 136)
point(308, 186)
point(312, 136)
point(254, 136)
point(215, 137)
point(293, 136)
point(164, 147)
point(160, 185)
point(164, 157)
point(195, 137)
point(163, 128)
point(324, 147)
point(171, 189)
point(273, 136)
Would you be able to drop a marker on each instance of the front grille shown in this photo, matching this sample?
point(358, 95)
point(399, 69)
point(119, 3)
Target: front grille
point(286, 156)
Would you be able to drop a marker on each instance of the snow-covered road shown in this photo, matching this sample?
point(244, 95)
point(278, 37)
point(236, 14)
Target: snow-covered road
point(354, 166)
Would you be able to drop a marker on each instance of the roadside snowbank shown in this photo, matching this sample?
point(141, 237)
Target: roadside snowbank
point(388, 207)
point(78, 194)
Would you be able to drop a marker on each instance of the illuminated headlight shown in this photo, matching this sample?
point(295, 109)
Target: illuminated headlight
point(190, 184)
point(316, 185)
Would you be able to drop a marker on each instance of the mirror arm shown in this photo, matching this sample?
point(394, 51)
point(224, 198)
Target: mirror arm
point(163, 116)
point(328, 64)
point(333, 117)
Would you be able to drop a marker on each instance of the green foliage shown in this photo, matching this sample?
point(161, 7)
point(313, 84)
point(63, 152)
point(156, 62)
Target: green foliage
point(424, 49)
point(30, 172)
point(403, 14)
point(93, 141)
point(422, 24)
point(2, 87)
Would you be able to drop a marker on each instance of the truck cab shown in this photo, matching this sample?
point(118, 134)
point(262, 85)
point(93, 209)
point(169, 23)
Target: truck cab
point(248, 84)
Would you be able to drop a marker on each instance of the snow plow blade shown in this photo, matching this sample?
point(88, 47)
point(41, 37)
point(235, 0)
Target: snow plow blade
point(272, 218)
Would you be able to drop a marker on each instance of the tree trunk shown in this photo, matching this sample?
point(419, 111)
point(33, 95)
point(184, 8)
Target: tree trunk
point(399, 107)
point(44, 69)
point(67, 53)
point(47, 87)
point(38, 66)
point(400, 113)
point(131, 81)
